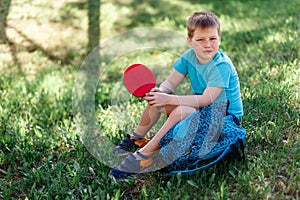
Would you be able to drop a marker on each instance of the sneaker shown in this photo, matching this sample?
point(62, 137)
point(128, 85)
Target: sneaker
point(130, 144)
point(131, 166)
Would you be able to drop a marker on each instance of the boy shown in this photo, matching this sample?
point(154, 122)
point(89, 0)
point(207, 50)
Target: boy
point(212, 76)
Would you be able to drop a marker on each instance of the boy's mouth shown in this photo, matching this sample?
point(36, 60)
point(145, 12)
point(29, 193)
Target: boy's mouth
point(208, 51)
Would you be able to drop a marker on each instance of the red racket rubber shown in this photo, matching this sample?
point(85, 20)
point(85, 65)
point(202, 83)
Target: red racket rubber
point(139, 79)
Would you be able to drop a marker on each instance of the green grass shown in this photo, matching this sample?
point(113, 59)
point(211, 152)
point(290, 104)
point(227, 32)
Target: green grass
point(41, 155)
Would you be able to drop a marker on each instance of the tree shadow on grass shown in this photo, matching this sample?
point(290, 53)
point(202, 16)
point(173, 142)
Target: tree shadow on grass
point(36, 47)
point(93, 33)
point(151, 12)
point(4, 11)
point(13, 47)
point(93, 12)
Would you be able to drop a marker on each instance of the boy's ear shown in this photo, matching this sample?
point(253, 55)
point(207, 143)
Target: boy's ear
point(189, 42)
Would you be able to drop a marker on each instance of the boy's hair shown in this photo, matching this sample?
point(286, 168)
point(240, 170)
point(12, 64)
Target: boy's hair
point(202, 19)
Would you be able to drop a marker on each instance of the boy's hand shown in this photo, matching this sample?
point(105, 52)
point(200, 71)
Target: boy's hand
point(155, 89)
point(147, 95)
point(156, 98)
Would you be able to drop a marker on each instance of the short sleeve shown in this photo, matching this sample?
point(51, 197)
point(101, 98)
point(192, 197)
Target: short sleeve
point(219, 75)
point(181, 66)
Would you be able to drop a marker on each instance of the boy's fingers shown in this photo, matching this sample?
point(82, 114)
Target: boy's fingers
point(156, 89)
point(149, 94)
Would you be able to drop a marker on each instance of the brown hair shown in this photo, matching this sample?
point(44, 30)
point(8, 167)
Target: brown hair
point(202, 19)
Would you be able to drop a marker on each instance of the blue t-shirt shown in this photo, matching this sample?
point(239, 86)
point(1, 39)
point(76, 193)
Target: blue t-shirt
point(220, 72)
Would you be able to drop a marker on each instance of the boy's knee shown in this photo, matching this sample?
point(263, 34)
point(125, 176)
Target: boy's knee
point(166, 109)
point(182, 111)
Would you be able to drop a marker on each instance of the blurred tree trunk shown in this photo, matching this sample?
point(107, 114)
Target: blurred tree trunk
point(93, 24)
point(87, 79)
point(4, 10)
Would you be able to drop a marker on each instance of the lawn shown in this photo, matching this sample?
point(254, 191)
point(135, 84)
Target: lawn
point(43, 54)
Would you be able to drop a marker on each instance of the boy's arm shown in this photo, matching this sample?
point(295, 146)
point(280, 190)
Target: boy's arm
point(198, 101)
point(169, 85)
point(209, 95)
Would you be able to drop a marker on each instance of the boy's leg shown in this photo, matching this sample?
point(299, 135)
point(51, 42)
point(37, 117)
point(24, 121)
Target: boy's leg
point(149, 117)
point(137, 138)
point(178, 114)
point(139, 161)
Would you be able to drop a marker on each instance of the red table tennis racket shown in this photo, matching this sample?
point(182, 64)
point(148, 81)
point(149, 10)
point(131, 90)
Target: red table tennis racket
point(139, 79)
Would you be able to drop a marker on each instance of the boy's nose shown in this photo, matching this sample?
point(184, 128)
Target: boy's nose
point(206, 44)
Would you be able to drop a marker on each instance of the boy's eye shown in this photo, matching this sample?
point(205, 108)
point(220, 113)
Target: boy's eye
point(213, 38)
point(199, 40)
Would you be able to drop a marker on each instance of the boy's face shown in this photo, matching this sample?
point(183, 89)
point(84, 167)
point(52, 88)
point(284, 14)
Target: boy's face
point(205, 43)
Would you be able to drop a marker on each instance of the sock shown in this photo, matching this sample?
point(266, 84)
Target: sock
point(130, 164)
point(145, 161)
point(136, 136)
point(127, 164)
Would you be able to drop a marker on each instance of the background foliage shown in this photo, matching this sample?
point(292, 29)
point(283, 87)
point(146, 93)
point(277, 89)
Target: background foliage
point(43, 44)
